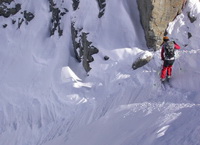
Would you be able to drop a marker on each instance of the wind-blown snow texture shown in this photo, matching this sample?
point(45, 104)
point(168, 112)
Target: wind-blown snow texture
point(46, 98)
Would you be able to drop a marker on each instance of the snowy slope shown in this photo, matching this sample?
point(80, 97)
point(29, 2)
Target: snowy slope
point(48, 99)
point(32, 94)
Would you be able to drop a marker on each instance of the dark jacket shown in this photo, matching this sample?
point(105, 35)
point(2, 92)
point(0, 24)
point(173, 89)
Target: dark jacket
point(176, 46)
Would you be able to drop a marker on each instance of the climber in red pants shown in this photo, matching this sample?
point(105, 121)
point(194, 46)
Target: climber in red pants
point(168, 56)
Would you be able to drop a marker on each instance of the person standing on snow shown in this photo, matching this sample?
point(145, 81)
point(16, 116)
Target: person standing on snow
point(168, 57)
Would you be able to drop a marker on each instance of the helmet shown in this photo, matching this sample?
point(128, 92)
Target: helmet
point(165, 38)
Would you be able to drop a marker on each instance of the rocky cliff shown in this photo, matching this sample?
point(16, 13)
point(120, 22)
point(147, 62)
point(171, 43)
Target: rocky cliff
point(83, 48)
point(155, 17)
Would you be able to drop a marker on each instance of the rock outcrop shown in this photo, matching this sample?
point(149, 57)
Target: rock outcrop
point(102, 5)
point(155, 16)
point(75, 4)
point(6, 1)
point(7, 11)
point(83, 48)
point(8, 8)
point(57, 14)
point(25, 17)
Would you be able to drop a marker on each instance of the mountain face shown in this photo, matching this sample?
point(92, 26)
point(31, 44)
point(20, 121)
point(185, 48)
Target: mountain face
point(47, 98)
point(155, 17)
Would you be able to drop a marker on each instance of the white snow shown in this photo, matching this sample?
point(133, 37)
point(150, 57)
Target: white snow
point(46, 98)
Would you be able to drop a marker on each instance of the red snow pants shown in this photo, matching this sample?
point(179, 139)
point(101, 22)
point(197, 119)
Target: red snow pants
point(167, 68)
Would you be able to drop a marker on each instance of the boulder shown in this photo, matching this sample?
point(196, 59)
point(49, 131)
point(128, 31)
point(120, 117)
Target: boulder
point(142, 60)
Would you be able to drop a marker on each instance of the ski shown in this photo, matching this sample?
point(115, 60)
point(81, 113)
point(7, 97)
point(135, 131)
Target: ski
point(166, 83)
point(168, 80)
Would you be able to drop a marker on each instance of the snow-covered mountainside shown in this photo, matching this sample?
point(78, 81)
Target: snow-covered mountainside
point(47, 98)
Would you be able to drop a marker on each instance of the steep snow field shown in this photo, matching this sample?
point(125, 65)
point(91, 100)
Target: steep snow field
point(46, 98)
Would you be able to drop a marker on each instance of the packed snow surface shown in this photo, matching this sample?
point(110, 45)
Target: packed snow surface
point(46, 97)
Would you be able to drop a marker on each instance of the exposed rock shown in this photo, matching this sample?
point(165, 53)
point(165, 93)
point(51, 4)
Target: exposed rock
point(28, 16)
point(75, 4)
point(82, 47)
point(102, 5)
point(6, 12)
point(20, 21)
point(106, 57)
point(13, 21)
point(189, 35)
point(191, 18)
point(142, 60)
point(155, 17)
point(88, 51)
point(57, 15)
point(6, 1)
point(5, 25)
point(76, 44)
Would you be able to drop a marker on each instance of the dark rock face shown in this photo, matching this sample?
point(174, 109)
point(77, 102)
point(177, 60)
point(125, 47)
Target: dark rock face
point(83, 48)
point(191, 18)
point(102, 5)
point(5, 25)
point(106, 58)
point(28, 16)
point(6, 1)
point(56, 18)
point(7, 11)
point(78, 53)
point(88, 51)
point(75, 4)
point(155, 16)
point(189, 35)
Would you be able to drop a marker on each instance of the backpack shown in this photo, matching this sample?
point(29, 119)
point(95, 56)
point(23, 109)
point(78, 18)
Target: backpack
point(169, 50)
